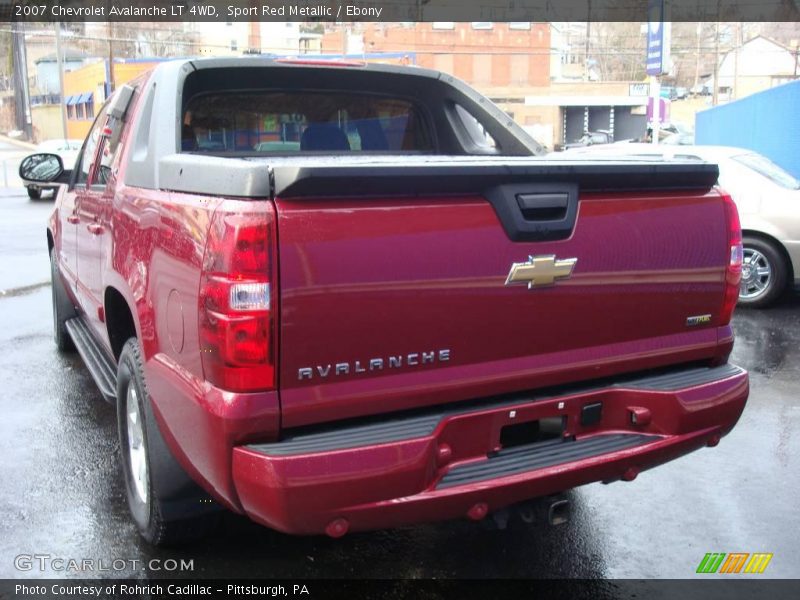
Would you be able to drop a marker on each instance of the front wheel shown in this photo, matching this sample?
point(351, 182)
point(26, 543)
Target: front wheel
point(764, 273)
point(166, 505)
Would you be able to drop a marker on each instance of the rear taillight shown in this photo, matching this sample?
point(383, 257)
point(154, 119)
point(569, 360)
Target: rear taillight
point(733, 274)
point(237, 300)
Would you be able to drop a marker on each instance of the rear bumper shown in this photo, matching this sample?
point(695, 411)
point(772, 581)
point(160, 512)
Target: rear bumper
point(449, 464)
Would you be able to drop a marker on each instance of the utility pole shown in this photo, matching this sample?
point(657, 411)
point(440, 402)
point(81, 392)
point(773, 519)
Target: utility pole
point(60, 65)
point(588, 42)
point(715, 96)
point(737, 40)
point(697, 58)
point(22, 99)
point(111, 84)
point(586, 48)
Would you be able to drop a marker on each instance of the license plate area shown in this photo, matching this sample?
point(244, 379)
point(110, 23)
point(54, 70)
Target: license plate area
point(533, 432)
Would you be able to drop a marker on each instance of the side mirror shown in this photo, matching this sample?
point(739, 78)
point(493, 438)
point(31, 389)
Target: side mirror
point(41, 168)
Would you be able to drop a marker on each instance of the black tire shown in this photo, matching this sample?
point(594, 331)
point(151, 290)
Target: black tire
point(63, 309)
point(761, 291)
point(167, 507)
point(34, 194)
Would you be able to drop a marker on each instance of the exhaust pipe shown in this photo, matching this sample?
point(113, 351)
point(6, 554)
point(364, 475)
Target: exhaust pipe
point(558, 511)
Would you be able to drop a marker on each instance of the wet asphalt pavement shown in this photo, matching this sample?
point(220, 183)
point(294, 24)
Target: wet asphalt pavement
point(62, 493)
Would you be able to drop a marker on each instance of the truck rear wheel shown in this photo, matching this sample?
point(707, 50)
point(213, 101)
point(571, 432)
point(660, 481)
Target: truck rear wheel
point(166, 505)
point(764, 273)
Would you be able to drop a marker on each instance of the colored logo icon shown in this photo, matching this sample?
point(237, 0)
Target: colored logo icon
point(735, 562)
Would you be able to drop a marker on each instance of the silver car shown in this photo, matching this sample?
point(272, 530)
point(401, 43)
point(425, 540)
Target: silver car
point(768, 199)
point(67, 150)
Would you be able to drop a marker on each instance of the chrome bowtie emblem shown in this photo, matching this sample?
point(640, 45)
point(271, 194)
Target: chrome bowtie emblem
point(541, 271)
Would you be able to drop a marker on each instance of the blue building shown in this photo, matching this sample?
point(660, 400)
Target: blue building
point(47, 69)
point(767, 122)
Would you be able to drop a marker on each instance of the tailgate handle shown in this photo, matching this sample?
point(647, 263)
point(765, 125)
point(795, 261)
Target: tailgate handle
point(543, 207)
point(535, 211)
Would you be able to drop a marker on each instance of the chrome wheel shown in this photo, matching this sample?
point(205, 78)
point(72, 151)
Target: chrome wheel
point(137, 454)
point(756, 274)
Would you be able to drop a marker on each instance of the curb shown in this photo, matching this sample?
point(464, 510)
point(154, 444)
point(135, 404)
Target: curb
point(21, 144)
point(22, 290)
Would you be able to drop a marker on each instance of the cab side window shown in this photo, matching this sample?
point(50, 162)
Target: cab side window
point(86, 160)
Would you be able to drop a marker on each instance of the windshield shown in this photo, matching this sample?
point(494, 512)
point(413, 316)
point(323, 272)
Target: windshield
point(290, 122)
point(764, 166)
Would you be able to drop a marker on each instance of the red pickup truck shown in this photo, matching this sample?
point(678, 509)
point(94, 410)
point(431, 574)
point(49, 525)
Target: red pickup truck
point(337, 297)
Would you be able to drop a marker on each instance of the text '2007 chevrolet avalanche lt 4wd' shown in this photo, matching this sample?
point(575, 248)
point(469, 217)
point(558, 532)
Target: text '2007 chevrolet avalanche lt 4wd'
point(337, 297)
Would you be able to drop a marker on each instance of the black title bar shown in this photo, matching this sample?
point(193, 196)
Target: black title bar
point(733, 588)
point(393, 10)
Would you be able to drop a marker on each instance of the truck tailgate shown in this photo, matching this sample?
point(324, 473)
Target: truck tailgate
point(397, 302)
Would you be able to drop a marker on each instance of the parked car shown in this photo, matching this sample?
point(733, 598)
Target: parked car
point(408, 318)
point(591, 138)
point(66, 149)
point(668, 92)
point(768, 199)
point(678, 139)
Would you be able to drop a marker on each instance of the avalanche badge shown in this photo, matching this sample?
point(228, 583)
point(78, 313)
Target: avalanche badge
point(541, 271)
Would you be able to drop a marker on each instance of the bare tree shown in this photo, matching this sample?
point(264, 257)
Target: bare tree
point(154, 39)
point(619, 51)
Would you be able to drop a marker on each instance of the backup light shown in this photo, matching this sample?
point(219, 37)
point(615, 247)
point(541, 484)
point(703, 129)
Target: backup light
point(249, 296)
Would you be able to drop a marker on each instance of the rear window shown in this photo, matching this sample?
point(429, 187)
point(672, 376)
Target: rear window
point(307, 122)
point(764, 166)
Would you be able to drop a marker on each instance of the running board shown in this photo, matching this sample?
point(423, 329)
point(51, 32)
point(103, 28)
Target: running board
point(522, 459)
point(100, 364)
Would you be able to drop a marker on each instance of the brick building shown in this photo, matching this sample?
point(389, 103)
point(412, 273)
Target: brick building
point(485, 54)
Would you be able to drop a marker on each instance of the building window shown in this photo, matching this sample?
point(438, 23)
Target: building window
point(70, 111)
point(482, 25)
point(526, 25)
point(444, 25)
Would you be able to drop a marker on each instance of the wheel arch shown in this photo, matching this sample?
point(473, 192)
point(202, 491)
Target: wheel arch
point(120, 320)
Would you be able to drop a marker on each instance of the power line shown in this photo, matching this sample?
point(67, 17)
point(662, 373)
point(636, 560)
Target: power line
point(503, 50)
